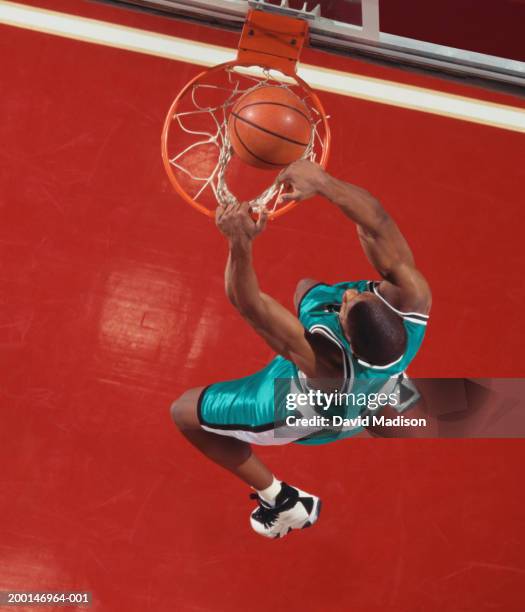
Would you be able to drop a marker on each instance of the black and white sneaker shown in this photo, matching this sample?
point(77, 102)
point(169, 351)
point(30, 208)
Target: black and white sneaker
point(294, 509)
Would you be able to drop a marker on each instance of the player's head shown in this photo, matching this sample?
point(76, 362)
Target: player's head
point(375, 331)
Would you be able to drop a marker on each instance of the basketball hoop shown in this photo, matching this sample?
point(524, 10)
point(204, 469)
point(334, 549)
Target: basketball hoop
point(196, 149)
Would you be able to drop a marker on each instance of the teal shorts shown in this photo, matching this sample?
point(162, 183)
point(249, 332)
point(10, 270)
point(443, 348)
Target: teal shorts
point(253, 409)
point(245, 408)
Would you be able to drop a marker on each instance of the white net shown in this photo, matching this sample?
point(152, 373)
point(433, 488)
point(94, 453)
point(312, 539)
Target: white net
point(199, 150)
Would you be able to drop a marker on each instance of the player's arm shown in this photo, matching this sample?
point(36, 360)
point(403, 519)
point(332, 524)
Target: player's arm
point(385, 246)
point(281, 330)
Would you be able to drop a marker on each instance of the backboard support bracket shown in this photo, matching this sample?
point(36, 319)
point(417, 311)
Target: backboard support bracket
point(272, 40)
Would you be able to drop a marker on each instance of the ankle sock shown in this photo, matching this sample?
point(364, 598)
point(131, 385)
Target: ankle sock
point(270, 493)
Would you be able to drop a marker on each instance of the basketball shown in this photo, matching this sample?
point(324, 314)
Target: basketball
point(269, 127)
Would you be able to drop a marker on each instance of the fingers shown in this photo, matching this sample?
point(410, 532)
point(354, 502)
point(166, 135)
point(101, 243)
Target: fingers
point(219, 213)
point(287, 174)
point(226, 215)
point(283, 176)
point(261, 221)
point(289, 196)
point(226, 211)
point(223, 214)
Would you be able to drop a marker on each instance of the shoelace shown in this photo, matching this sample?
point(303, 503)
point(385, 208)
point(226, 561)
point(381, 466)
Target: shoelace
point(265, 515)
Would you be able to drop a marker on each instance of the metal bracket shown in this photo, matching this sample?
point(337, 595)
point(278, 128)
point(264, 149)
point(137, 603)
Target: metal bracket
point(284, 9)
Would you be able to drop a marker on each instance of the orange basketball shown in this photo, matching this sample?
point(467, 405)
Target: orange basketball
point(269, 127)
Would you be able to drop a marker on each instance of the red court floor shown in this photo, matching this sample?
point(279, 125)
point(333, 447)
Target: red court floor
point(113, 304)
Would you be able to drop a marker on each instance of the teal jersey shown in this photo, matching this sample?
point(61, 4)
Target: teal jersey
point(319, 313)
point(254, 406)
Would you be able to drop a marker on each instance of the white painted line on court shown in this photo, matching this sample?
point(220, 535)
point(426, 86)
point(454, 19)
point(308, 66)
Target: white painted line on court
point(415, 98)
point(342, 83)
point(113, 35)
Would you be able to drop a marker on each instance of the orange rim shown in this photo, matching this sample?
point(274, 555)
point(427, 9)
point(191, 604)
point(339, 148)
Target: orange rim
point(172, 111)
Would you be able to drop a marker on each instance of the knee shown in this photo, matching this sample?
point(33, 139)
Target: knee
point(177, 412)
point(304, 282)
point(183, 410)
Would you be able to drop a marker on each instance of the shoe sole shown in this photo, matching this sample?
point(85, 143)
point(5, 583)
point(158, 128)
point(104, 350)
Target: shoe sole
point(309, 523)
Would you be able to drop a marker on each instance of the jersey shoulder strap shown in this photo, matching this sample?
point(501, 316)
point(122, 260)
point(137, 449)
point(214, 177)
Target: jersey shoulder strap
point(413, 317)
point(415, 324)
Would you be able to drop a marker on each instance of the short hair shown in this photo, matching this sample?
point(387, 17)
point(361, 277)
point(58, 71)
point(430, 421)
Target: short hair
point(377, 333)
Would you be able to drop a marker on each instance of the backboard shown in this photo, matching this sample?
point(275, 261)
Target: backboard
point(445, 37)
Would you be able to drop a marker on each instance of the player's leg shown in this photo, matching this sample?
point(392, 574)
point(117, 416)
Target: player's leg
point(281, 508)
point(234, 455)
point(303, 286)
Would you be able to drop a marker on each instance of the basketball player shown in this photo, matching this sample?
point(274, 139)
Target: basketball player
point(349, 332)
